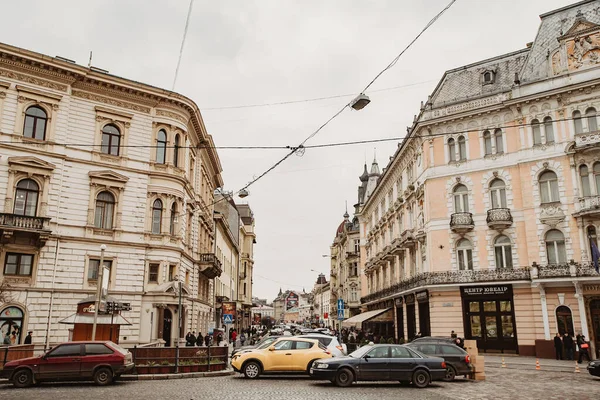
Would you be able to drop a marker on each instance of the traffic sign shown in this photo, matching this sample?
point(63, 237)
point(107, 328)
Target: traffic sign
point(228, 318)
point(340, 309)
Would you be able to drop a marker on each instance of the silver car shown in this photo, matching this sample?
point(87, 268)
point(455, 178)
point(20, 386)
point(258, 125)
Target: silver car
point(331, 342)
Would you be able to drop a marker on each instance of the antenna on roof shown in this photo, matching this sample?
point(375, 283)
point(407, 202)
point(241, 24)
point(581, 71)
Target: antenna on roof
point(90, 62)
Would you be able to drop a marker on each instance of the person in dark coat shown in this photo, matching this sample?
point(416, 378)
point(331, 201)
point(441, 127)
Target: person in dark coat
point(583, 350)
point(558, 343)
point(569, 345)
point(207, 340)
point(191, 339)
point(199, 339)
point(28, 338)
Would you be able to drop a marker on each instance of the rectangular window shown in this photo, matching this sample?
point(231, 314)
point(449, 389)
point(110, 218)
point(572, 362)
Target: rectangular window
point(93, 268)
point(187, 277)
point(172, 272)
point(153, 273)
point(18, 264)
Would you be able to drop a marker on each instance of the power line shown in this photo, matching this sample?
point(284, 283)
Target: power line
point(185, 30)
point(280, 103)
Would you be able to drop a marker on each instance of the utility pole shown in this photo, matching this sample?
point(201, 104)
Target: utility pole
point(178, 329)
point(99, 278)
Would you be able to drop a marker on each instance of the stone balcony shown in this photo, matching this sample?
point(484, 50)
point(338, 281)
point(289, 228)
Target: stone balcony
point(407, 238)
point(11, 224)
point(461, 222)
point(499, 218)
point(587, 139)
point(587, 206)
point(211, 265)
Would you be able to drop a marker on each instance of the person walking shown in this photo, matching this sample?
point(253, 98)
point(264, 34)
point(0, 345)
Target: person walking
point(558, 344)
point(579, 340)
point(233, 337)
point(569, 345)
point(242, 338)
point(583, 350)
point(28, 338)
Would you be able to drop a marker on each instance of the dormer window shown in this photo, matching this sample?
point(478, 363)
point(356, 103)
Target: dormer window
point(488, 77)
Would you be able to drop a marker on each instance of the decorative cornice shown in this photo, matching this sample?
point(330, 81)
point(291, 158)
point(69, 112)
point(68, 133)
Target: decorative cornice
point(112, 102)
point(169, 114)
point(32, 80)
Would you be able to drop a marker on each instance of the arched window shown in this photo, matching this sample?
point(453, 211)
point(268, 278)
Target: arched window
point(26, 198)
point(11, 323)
point(105, 208)
point(487, 142)
point(173, 219)
point(549, 187)
point(498, 193)
point(176, 151)
point(161, 147)
point(590, 114)
point(499, 141)
point(462, 148)
point(111, 140)
point(35, 123)
point(597, 176)
point(577, 121)
point(461, 199)
point(564, 320)
point(464, 254)
point(549, 129)
point(157, 208)
point(584, 174)
point(503, 252)
point(451, 149)
point(537, 132)
point(555, 247)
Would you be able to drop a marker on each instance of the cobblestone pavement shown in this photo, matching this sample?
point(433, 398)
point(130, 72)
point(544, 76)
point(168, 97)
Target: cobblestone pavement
point(500, 384)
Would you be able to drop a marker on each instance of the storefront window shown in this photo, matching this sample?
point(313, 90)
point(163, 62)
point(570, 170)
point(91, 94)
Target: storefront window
point(505, 306)
point(475, 326)
point(507, 326)
point(11, 323)
point(490, 327)
point(474, 306)
point(489, 306)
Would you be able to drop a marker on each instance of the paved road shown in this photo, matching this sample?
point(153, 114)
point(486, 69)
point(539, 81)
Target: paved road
point(500, 384)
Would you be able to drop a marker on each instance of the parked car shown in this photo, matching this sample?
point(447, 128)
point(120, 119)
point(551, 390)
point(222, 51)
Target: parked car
point(458, 361)
point(381, 362)
point(286, 354)
point(331, 342)
point(267, 340)
point(594, 368)
point(102, 362)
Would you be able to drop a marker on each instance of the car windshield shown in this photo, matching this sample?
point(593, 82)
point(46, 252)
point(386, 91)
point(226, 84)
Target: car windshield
point(360, 352)
point(118, 348)
point(266, 343)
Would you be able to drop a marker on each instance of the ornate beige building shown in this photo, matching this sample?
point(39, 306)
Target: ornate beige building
point(90, 159)
point(484, 219)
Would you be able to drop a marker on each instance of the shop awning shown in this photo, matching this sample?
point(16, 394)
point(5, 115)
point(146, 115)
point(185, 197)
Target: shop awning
point(103, 319)
point(357, 320)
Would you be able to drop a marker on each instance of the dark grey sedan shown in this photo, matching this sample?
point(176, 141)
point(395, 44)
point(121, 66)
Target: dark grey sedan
point(381, 362)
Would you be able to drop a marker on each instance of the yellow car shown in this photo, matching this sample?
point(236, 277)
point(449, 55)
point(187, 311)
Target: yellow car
point(286, 354)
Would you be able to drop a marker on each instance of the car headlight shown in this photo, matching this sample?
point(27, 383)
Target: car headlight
point(322, 366)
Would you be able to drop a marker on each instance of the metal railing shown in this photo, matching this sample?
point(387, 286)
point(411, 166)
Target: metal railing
point(499, 215)
point(461, 218)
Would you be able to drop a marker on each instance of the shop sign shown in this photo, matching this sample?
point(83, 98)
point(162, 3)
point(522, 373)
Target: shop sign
point(410, 299)
point(422, 296)
point(591, 288)
point(291, 300)
point(494, 290)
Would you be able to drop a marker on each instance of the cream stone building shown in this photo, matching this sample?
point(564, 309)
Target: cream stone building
point(89, 159)
point(484, 220)
point(344, 273)
point(247, 242)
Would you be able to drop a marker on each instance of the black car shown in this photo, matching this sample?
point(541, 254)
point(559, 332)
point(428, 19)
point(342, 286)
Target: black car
point(265, 340)
point(381, 362)
point(594, 368)
point(458, 361)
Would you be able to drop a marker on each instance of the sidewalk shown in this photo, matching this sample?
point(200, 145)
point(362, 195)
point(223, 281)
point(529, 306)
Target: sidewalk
point(528, 363)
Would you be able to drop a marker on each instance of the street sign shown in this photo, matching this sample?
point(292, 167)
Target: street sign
point(228, 318)
point(340, 309)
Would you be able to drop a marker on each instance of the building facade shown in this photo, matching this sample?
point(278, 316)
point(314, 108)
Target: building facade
point(247, 242)
point(485, 219)
point(344, 273)
point(90, 159)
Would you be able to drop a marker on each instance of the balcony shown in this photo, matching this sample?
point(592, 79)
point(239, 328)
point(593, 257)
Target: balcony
point(36, 226)
point(461, 222)
point(499, 218)
point(569, 270)
point(407, 238)
point(211, 265)
point(586, 139)
point(589, 205)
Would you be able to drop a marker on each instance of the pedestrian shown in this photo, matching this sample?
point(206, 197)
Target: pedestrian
point(453, 335)
point(558, 344)
point(579, 340)
point(233, 337)
point(569, 344)
point(583, 350)
point(242, 338)
point(199, 339)
point(207, 340)
point(28, 338)
point(190, 339)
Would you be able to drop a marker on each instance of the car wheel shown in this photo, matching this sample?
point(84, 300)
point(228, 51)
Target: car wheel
point(421, 378)
point(450, 374)
point(103, 376)
point(252, 370)
point(344, 378)
point(22, 378)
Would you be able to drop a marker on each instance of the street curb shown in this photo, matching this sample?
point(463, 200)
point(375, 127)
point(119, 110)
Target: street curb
point(189, 375)
point(545, 368)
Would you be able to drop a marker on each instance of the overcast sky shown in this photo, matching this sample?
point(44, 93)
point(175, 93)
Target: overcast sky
point(256, 52)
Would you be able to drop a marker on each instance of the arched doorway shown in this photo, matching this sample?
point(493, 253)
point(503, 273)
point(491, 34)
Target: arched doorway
point(167, 323)
point(595, 316)
point(564, 320)
point(11, 324)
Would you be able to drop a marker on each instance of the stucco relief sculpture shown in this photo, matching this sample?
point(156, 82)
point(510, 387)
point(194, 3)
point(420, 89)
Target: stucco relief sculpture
point(584, 51)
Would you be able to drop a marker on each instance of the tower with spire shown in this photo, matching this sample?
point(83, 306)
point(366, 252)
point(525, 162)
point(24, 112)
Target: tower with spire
point(373, 179)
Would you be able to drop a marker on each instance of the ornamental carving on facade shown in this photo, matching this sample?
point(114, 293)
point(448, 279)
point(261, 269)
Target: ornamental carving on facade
point(112, 102)
point(32, 80)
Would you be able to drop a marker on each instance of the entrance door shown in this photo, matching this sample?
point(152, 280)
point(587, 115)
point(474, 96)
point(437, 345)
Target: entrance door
point(491, 323)
point(167, 323)
point(411, 321)
point(424, 324)
point(595, 315)
point(400, 322)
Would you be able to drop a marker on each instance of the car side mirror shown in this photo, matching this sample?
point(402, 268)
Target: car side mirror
point(366, 357)
point(272, 348)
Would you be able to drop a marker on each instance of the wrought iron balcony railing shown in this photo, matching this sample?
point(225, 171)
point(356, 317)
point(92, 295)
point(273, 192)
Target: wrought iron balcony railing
point(212, 265)
point(461, 222)
point(499, 218)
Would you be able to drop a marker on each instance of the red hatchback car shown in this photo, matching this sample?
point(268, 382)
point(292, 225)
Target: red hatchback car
point(101, 362)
